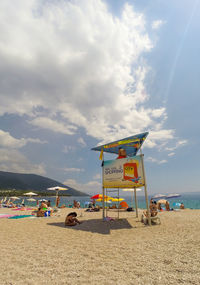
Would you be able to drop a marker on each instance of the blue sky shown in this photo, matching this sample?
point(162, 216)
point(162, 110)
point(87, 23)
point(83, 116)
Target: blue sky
point(75, 74)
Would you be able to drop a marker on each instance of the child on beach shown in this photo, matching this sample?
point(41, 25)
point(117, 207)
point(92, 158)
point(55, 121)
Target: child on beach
point(71, 219)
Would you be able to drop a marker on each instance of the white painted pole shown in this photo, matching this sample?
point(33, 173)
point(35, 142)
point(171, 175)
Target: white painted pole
point(132, 199)
point(103, 191)
point(118, 203)
point(145, 188)
point(136, 206)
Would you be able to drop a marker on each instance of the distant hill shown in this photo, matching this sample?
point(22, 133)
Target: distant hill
point(32, 182)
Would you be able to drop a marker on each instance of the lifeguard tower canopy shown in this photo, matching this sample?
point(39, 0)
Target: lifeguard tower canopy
point(131, 144)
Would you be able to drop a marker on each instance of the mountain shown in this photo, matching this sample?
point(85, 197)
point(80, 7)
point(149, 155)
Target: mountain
point(32, 182)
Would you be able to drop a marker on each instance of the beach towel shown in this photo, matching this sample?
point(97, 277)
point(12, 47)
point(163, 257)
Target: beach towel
point(6, 216)
point(23, 209)
point(20, 216)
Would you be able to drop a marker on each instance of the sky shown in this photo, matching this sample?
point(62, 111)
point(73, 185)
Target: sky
point(75, 74)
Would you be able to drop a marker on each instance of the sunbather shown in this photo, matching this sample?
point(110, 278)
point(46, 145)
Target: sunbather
point(40, 212)
point(71, 219)
point(153, 209)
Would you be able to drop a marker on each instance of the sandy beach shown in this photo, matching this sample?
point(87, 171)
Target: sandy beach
point(43, 251)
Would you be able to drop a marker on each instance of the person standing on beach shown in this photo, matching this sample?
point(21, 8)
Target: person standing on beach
point(57, 201)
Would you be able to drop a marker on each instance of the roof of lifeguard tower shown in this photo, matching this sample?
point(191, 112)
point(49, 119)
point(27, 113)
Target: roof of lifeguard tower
point(131, 144)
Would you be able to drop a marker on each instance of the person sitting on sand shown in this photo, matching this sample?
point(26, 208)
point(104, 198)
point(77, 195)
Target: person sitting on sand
point(182, 207)
point(40, 212)
point(71, 219)
point(114, 206)
point(159, 207)
point(153, 209)
point(43, 205)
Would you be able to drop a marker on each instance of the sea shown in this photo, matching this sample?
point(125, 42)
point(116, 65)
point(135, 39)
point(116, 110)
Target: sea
point(190, 201)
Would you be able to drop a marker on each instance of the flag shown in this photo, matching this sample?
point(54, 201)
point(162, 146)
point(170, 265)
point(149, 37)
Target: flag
point(101, 154)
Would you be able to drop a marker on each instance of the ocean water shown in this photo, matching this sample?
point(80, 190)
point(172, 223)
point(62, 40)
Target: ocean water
point(191, 201)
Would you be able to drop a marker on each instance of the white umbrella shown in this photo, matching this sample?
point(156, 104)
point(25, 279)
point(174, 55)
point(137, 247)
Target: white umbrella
point(30, 194)
point(158, 196)
point(173, 196)
point(43, 200)
point(57, 189)
point(14, 198)
point(31, 200)
point(133, 190)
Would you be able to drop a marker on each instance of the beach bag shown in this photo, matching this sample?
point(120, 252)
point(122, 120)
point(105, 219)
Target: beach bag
point(47, 213)
point(130, 209)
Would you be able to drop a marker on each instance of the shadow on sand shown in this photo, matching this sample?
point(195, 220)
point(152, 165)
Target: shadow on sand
point(97, 226)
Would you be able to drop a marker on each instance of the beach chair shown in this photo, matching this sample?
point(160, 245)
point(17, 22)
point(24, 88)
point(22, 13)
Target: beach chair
point(154, 220)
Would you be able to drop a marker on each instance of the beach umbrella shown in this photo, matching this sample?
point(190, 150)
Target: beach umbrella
point(43, 200)
point(117, 199)
point(98, 196)
point(30, 194)
point(173, 196)
point(162, 201)
point(177, 204)
point(57, 189)
point(15, 198)
point(31, 200)
point(105, 200)
point(158, 196)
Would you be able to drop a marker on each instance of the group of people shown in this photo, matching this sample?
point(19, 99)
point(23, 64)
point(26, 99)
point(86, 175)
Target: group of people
point(44, 209)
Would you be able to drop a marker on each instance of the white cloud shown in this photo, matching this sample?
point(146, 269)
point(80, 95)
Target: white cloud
point(80, 66)
point(89, 187)
point(82, 142)
point(53, 125)
point(68, 148)
point(157, 24)
point(8, 141)
point(97, 176)
point(13, 161)
point(171, 154)
point(154, 160)
point(73, 169)
point(177, 145)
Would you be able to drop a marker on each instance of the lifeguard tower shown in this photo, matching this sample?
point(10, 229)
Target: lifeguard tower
point(127, 171)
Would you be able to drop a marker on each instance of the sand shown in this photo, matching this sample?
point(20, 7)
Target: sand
point(43, 251)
